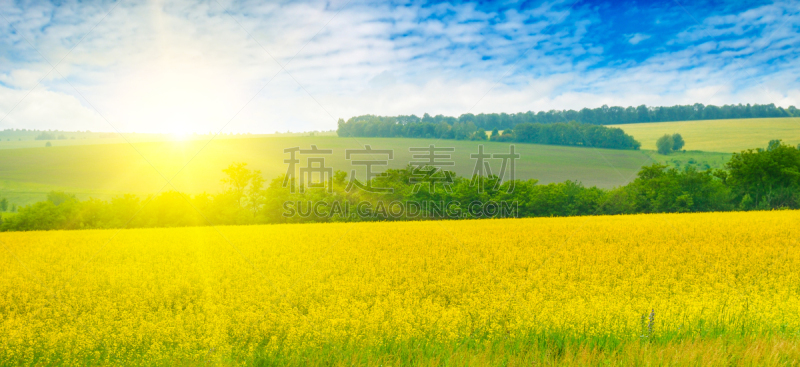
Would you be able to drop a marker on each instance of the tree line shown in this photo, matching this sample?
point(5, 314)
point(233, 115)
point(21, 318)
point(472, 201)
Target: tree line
point(604, 115)
point(558, 133)
point(756, 179)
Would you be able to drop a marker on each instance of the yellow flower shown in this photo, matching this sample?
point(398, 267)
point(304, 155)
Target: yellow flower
point(234, 293)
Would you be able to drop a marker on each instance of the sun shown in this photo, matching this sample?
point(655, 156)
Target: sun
point(176, 99)
point(176, 122)
point(179, 135)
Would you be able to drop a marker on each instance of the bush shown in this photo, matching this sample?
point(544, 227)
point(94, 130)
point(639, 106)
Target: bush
point(677, 142)
point(769, 177)
point(664, 144)
point(754, 179)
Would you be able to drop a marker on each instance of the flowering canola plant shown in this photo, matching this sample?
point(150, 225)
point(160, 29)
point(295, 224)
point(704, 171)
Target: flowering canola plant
point(185, 294)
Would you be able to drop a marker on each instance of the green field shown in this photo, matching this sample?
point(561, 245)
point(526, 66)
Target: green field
point(110, 169)
point(103, 165)
point(726, 136)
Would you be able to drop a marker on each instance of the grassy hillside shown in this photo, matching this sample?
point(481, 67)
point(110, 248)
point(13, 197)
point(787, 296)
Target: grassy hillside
point(102, 165)
point(109, 169)
point(727, 136)
point(97, 165)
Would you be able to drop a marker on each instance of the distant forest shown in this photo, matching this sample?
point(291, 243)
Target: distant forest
point(598, 116)
point(564, 127)
point(557, 133)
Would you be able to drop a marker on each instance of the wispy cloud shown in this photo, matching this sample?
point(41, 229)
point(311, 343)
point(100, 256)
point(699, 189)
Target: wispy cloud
point(635, 38)
point(163, 66)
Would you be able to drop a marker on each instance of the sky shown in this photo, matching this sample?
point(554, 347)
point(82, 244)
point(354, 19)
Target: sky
point(250, 66)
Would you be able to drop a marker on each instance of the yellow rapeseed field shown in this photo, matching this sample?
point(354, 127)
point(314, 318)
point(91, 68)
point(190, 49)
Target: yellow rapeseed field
point(242, 294)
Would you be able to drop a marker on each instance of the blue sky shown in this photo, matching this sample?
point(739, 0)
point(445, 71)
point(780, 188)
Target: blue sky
point(176, 66)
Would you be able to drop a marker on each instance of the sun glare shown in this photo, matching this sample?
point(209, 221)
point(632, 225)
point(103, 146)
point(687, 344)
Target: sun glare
point(179, 136)
point(176, 99)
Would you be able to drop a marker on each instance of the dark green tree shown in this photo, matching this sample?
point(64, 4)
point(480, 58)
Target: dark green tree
point(480, 134)
point(677, 142)
point(664, 144)
point(659, 189)
point(771, 178)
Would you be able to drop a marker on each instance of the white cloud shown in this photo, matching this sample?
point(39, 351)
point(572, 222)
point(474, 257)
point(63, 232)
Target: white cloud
point(48, 109)
point(635, 38)
point(166, 66)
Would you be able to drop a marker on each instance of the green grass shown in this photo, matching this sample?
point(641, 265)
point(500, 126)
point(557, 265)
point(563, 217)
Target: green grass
point(722, 350)
point(726, 136)
point(103, 164)
point(106, 170)
point(698, 159)
point(535, 350)
point(110, 169)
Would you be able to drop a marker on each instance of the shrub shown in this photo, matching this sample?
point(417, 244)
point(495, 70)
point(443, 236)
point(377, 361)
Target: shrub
point(664, 144)
point(677, 142)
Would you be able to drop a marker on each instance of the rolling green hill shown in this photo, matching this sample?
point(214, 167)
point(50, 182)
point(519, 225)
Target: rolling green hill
point(727, 136)
point(102, 171)
point(103, 165)
point(94, 165)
